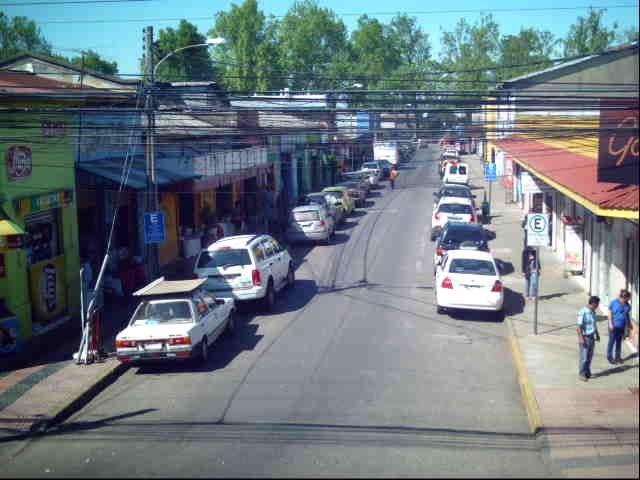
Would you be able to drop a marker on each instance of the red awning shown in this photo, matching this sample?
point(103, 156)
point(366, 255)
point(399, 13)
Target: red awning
point(576, 172)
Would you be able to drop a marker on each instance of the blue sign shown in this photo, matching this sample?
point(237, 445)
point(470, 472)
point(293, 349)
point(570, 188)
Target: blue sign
point(154, 229)
point(362, 121)
point(490, 172)
point(10, 341)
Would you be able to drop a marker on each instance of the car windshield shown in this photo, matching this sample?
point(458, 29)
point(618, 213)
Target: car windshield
point(314, 200)
point(306, 216)
point(472, 266)
point(335, 194)
point(455, 192)
point(370, 165)
point(455, 208)
point(224, 258)
point(457, 236)
point(156, 312)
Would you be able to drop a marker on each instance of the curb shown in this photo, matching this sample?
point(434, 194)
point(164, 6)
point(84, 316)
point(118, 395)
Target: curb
point(526, 389)
point(75, 403)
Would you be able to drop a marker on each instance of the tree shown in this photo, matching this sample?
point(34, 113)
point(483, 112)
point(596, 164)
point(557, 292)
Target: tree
point(188, 65)
point(410, 40)
point(93, 61)
point(310, 38)
point(472, 51)
point(250, 57)
point(18, 34)
point(526, 49)
point(589, 35)
point(630, 35)
point(376, 55)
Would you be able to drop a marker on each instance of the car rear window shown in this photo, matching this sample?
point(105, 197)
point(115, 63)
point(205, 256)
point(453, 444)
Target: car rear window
point(369, 165)
point(151, 312)
point(472, 266)
point(335, 194)
point(455, 192)
point(314, 199)
point(459, 208)
point(467, 235)
point(306, 216)
point(462, 170)
point(220, 258)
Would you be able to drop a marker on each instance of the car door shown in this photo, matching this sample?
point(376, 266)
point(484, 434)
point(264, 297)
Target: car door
point(204, 318)
point(280, 260)
point(217, 315)
point(270, 262)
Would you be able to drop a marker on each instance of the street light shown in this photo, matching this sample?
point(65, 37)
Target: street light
point(208, 42)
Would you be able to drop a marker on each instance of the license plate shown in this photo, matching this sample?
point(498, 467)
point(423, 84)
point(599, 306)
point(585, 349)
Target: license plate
point(454, 217)
point(473, 286)
point(153, 346)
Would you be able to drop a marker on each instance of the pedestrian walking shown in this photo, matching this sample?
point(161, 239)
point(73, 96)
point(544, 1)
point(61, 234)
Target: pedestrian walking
point(392, 176)
point(531, 271)
point(619, 322)
point(587, 336)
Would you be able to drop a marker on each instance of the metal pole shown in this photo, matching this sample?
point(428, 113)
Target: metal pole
point(535, 302)
point(489, 212)
point(152, 188)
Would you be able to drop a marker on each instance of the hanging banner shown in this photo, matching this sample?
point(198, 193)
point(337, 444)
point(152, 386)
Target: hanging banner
point(618, 143)
point(573, 247)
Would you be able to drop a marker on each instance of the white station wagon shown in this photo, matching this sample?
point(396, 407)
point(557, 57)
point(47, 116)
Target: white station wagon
point(174, 320)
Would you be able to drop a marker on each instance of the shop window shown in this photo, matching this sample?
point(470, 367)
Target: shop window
point(43, 239)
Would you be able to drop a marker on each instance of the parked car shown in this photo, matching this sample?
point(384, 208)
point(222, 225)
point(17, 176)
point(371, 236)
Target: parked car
point(341, 197)
point(360, 177)
point(468, 279)
point(456, 172)
point(451, 209)
point(175, 320)
point(320, 198)
point(460, 236)
point(246, 267)
point(423, 143)
point(373, 170)
point(355, 190)
point(310, 223)
point(456, 190)
point(385, 168)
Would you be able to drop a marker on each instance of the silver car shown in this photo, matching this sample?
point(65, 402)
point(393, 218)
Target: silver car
point(310, 223)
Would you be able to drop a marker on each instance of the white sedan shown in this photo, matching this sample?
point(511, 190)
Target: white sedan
point(174, 320)
point(451, 209)
point(469, 279)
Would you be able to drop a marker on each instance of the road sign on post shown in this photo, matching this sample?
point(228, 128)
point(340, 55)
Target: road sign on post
point(490, 172)
point(537, 230)
point(154, 228)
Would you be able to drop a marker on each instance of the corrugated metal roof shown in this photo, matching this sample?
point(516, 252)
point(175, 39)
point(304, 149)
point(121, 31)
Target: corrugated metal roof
point(576, 172)
point(22, 82)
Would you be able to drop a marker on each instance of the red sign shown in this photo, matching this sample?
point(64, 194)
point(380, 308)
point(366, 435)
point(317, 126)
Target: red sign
point(618, 151)
point(19, 162)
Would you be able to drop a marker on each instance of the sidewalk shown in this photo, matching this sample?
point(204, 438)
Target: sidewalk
point(589, 429)
point(49, 387)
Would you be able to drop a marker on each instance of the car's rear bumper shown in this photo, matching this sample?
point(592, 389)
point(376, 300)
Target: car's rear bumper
point(176, 353)
point(493, 303)
point(307, 236)
point(240, 294)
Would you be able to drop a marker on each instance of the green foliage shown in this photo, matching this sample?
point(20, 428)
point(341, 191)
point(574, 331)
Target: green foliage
point(188, 65)
point(18, 34)
point(526, 49)
point(93, 61)
point(589, 34)
point(630, 35)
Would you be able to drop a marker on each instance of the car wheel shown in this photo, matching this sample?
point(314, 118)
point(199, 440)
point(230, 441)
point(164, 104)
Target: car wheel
point(269, 298)
point(231, 322)
point(291, 277)
point(440, 310)
point(204, 351)
point(498, 316)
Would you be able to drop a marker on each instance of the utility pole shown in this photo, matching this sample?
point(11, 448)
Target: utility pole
point(152, 185)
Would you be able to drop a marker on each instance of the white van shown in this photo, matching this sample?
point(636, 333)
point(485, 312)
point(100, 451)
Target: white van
point(456, 172)
point(246, 267)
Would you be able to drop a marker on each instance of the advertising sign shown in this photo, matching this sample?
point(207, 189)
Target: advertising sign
point(573, 260)
point(618, 143)
point(47, 287)
point(537, 230)
point(19, 162)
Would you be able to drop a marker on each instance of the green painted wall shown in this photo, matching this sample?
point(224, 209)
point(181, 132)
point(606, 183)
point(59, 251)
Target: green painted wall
point(53, 169)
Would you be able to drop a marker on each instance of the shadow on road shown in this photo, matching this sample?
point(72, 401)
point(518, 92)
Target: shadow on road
point(346, 225)
point(513, 302)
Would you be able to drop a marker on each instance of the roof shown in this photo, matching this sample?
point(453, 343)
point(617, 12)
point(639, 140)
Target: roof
point(160, 286)
point(576, 61)
point(241, 240)
point(474, 254)
point(12, 81)
point(62, 63)
point(460, 200)
point(578, 173)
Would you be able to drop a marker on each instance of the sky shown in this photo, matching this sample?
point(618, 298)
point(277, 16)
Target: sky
point(115, 29)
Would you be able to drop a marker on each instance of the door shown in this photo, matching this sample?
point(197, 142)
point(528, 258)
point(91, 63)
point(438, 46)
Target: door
point(268, 264)
point(217, 316)
point(274, 261)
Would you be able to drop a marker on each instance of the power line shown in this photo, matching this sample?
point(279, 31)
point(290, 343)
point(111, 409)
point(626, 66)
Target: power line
point(68, 2)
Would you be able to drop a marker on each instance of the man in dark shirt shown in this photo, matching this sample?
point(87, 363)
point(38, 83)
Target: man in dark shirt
point(619, 319)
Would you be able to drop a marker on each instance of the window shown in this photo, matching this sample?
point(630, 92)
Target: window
point(219, 258)
point(151, 312)
point(278, 247)
point(306, 216)
point(258, 252)
point(455, 208)
point(462, 170)
point(201, 306)
point(269, 248)
point(472, 266)
point(209, 300)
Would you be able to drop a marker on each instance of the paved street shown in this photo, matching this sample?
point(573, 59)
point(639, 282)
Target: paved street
point(354, 375)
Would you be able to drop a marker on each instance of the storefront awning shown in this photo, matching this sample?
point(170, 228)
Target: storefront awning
point(111, 169)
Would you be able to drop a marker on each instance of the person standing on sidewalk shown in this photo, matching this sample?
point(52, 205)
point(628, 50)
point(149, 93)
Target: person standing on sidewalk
point(619, 321)
point(531, 272)
point(587, 336)
point(392, 176)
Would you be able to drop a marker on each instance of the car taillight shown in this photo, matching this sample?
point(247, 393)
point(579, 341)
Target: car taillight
point(473, 217)
point(497, 286)
point(194, 276)
point(256, 278)
point(125, 343)
point(180, 341)
point(437, 216)
point(447, 283)
point(439, 251)
point(322, 223)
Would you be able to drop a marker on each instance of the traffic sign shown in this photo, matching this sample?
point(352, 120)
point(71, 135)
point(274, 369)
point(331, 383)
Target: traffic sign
point(490, 172)
point(538, 230)
point(154, 228)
